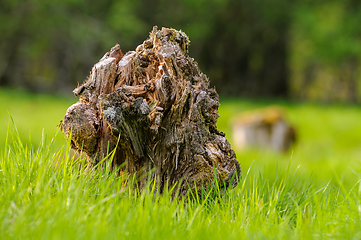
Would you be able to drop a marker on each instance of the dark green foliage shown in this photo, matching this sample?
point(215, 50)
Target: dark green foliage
point(307, 49)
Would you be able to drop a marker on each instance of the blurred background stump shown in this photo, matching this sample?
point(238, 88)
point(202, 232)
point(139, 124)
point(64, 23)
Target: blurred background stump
point(155, 108)
point(264, 128)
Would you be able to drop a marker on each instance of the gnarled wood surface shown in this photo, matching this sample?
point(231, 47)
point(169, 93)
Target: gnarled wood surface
point(157, 103)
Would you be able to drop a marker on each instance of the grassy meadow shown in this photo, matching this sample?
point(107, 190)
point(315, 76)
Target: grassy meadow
point(312, 192)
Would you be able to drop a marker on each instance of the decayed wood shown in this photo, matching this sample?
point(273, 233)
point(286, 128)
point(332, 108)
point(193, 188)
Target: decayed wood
point(263, 128)
point(157, 105)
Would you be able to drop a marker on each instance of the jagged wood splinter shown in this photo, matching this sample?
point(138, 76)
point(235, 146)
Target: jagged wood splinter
point(158, 104)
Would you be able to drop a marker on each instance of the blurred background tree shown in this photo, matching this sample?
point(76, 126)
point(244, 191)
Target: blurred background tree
point(326, 51)
point(295, 49)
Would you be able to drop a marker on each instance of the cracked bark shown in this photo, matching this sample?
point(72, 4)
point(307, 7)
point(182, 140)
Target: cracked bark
point(157, 103)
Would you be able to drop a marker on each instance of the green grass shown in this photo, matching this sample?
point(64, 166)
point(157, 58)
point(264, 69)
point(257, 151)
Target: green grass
point(32, 113)
point(312, 193)
point(328, 139)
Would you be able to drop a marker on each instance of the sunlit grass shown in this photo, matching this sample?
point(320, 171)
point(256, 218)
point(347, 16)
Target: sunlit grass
point(328, 139)
point(39, 201)
point(312, 192)
point(32, 113)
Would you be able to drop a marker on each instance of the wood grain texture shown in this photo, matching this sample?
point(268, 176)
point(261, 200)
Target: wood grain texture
point(156, 106)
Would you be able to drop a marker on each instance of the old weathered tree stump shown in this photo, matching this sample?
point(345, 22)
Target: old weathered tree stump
point(156, 104)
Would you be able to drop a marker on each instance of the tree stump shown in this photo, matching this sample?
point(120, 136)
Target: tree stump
point(155, 107)
point(263, 128)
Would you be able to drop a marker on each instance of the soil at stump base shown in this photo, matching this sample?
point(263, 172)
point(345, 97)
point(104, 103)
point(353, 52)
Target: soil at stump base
point(155, 106)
